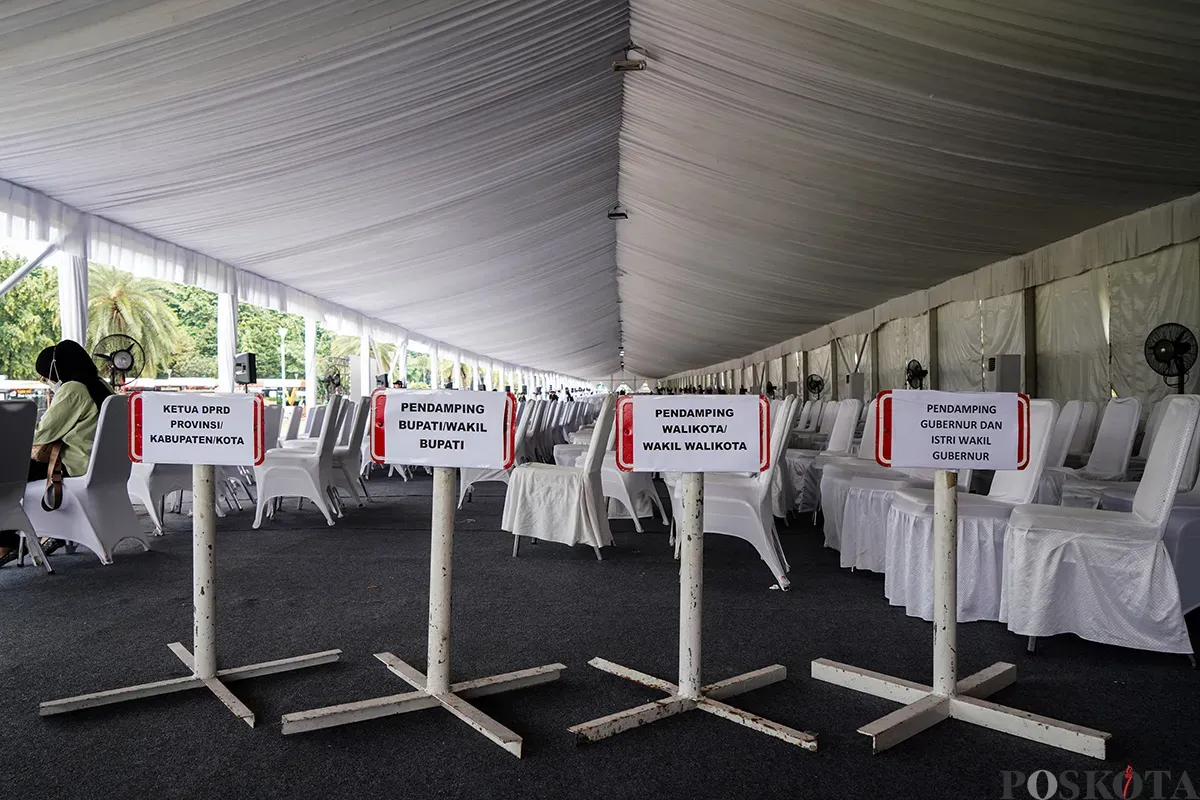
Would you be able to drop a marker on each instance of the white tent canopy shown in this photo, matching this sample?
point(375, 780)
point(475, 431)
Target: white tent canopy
point(442, 171)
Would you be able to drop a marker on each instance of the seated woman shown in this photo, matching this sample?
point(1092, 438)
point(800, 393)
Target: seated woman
point(78, 392)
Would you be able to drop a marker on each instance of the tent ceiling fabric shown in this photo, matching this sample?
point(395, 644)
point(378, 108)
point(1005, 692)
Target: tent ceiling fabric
point(445, 166)
point(786, 164)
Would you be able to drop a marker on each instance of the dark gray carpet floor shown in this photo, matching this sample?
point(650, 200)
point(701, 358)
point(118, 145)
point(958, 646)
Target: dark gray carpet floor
point(297, 586)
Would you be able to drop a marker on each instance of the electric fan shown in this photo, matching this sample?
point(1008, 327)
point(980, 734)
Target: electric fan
point(1171, 352)
point(814, 384)
point(915, 374)
point(119, 359)
point(332, 381)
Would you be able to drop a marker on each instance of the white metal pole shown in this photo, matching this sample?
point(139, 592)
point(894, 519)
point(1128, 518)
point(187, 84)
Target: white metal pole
point(945, 582)
point(441, 554)
point(204, 601)
point(691, 584)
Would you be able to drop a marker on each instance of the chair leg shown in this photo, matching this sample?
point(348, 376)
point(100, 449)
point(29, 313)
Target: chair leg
point(516, 545)
point(363, 484)
point(34, 545)
point(1031, 646)
point(598, 556)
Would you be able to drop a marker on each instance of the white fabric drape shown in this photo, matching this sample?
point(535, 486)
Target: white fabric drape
point(1144, 293)
point(959, 347)
point(310, 363)
point(1003, 329)
point(227, 319)
point(1072, 347)
point(900, 341)
point(820, 363)
point(73, 284)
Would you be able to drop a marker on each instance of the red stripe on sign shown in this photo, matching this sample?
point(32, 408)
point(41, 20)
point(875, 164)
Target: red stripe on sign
point(624, 423)
point(1023, 426)
point(883, 428)
point(260, 431)
point(378, 402)
point(134, 414)
point(510, 430)
point(764, 433)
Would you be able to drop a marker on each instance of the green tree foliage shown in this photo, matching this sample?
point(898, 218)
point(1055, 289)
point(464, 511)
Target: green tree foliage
point(418, 371)
point(28, 318)
point(119, 302)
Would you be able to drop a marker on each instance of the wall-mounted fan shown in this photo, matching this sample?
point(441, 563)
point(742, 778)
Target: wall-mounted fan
point(814, 384)
point(120, 359)
point(1171, 352)
point(770, 389)
point(915, 374)
point(332, 381)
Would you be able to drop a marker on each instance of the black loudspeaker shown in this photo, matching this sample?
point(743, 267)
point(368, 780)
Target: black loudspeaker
point(245, 369)
point(381, 381)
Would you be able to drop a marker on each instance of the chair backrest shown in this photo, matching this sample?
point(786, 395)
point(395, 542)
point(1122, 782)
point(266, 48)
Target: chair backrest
point(1064, 433)
point(358, 429)
point(814, 416)
point(866, 447)
point(293, 426)
point(1019, 487)
point(602, 434)
point(329, 430)
point(804, 415)
point(109, 463)
point(350, 413)
point(829, 416)
point(781, 428)
point(1152, 423)
point(316, 418)
point(519, 435)
point(844, 426)
point(1155, 494)
point(18, 418)
point(272, 422)
point(1114, 439)
point(1082, 441)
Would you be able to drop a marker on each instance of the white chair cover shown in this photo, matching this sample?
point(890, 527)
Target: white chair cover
point(562, 504)
point(1081, 442)
point(908, 560)
point(18, 419)
point(468, 477)
point(801, 490)
point(1103, 575)
point(1110, 455)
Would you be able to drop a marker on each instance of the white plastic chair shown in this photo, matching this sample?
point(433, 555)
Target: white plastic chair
point(149, 484)
point(18, 419)
point(1110, 454)
point(740, 506)
point(982, 521)
point(562, 504)
point(95, 511)
point(1104, 575)
point(1081, 442)
point(315, 419)
point(292, 430)
point(300, 473)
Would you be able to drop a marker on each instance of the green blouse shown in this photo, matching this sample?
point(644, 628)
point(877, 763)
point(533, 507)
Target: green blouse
point(72, 417)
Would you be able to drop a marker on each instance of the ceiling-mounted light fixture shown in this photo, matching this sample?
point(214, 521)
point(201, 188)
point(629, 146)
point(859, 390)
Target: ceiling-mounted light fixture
point(616, 212)
point(634, 60)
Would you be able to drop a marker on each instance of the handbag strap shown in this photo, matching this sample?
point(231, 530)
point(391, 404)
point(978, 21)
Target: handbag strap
point(53, 495)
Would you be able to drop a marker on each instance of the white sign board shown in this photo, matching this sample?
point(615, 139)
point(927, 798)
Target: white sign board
point(693, 433)
point(952, 430)
point(196, 428)
point(443, 428)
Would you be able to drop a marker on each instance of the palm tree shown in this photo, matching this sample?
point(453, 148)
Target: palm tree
point(119, 302)
point(383, 352)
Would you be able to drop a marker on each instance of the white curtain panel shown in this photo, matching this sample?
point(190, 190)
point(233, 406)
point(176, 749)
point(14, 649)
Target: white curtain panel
point(1072, 347)
point(1144, 293)
point(1003, 328)
point(900, 341)
point(820, 363)
point(848, 361)
point(960, 347)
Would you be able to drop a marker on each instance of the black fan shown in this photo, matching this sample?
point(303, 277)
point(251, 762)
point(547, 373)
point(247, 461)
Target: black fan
point(814, 384)
point(332, 381)
point(770, 389)
point(119, 358)
point(915, 374)
point(1171, 352)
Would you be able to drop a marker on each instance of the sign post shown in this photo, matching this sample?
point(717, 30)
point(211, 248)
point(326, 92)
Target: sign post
point(445, 430)
point(204, 430)
point(947, 431)
point(693, 435)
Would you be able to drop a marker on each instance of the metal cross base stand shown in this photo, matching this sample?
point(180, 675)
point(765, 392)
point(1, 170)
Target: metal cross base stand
point(689, 694)
point(204, 664)
point(434, 689)
point(950, 698)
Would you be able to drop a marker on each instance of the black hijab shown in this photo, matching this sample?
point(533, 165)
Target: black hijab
point(70, 362)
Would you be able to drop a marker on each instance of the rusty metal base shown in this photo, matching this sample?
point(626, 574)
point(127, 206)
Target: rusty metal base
point(709, 700)
point(216, 684)
point(924, 709)
point(453, 701)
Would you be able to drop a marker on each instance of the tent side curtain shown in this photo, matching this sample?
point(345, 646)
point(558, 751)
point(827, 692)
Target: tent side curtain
point(29, 215)
point(1136, 235)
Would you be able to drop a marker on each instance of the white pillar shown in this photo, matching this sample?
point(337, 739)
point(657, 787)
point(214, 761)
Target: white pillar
point(400, 362)
point(691, 584)
point(73, 285)
point(366, 381)
point(456, 377)
point(945, 582)
point(310, 362)
point(204, 601)
point(441, 557)
point(435, 372)
point(227, 318)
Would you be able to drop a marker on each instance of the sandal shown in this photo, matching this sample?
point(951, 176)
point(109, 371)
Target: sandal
point(11, 555)
point(50, 545)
